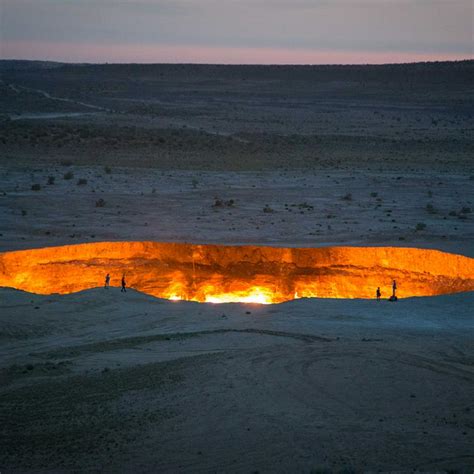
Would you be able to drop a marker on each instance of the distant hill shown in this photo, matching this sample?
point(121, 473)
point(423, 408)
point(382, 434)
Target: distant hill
point(21, 65)
point(422, 73)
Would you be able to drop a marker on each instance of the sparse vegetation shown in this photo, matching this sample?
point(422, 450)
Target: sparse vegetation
point(36, 187)
point(100, 203)
point(430, 209)
point(420, 226)
point(108, 169)
point(221, 203)
point(51, 180)
point(82, 182)
point(267, 209)
point(69, 175)
point(347, 197)
point(305, 206)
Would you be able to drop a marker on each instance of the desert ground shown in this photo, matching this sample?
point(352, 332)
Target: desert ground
point(308, 157)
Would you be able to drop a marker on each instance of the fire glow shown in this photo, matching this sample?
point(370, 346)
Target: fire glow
point(238, 274)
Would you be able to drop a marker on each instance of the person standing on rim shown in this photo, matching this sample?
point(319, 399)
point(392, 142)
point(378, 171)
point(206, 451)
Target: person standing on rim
point(124, 284)
point(107, 281)
point(394, 288)
point(378, 293)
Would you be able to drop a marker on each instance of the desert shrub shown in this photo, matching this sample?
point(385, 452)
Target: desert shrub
point(221, 203)
point(374, 195)
point(194, 183)
point(267, 209)
point(66, 162)
point(24, 212)
point(453, 213)
point(100, 203)
point(305, 206)
point(466, 210)
point(35, 187)
point(51, 180)
point(69, 175)
point(420, 226)
point(108, 169)
point(347, 197)
point(430, 209)
point(81, 182)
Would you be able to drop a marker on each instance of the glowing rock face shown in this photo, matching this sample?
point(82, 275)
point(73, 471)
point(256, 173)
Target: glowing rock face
point(248, 274)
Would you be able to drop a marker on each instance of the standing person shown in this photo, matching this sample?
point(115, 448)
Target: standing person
point(124, 284)
point(394, 288)
point(107, 281)
point(378, 293)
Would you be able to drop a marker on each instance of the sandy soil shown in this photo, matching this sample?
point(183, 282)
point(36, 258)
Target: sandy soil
point(345, 155)
point(401, 118)
point(102, 381)
point(308, 208)
point(106, 381)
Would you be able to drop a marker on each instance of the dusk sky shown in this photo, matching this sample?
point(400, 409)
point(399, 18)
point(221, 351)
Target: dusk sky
point(237, 31)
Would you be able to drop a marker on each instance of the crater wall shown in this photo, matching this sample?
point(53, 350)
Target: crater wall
point(221, 273)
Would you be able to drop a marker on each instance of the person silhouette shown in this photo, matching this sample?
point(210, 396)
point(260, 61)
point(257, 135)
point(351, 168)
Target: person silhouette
point(107, 281)
point(124, 284)
point(378, 293)
point(394, 291)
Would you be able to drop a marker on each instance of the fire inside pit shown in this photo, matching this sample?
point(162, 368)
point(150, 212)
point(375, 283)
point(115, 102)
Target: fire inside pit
point(247, 274)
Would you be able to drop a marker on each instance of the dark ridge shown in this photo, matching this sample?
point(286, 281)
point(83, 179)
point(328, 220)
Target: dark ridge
point(422, 71)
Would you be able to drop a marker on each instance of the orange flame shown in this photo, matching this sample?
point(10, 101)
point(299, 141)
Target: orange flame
point(245, 274)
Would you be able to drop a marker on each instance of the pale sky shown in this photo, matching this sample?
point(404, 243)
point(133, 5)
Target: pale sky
point(237, 31)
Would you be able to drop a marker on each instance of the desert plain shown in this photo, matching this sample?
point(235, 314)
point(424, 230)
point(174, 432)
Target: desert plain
point(327, 156)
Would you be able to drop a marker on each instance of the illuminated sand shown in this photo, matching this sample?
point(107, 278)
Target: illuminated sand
point(131, 381)
point(219, 273)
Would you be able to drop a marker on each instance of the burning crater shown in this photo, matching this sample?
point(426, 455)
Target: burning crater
point(250, 274)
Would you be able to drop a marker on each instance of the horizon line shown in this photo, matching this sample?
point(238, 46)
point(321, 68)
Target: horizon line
point(125, 63)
